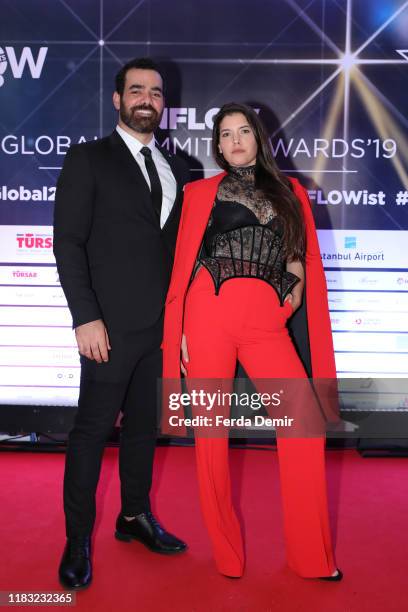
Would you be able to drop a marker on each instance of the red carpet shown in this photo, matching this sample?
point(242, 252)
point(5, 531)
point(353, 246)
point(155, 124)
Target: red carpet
point(368, 506)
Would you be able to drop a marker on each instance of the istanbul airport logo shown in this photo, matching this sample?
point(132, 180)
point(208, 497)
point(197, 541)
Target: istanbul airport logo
point(350, 242)
point(8, 57)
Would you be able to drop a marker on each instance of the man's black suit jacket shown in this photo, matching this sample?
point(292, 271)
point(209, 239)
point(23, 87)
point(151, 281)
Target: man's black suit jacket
point(113, 259)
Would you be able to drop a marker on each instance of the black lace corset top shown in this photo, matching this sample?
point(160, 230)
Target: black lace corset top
point(244, 236)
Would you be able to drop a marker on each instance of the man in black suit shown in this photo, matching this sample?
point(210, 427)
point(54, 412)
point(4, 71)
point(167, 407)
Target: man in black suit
point(117, 210)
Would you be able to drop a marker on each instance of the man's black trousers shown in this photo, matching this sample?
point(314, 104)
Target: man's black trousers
point(128, 382)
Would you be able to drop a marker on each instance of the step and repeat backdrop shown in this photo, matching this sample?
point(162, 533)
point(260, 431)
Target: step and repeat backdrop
point(329, 79)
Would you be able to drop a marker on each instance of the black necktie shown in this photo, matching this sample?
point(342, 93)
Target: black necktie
point(155, 184)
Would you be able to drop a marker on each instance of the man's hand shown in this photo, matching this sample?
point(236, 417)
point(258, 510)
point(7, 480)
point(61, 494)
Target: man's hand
point(93, 340)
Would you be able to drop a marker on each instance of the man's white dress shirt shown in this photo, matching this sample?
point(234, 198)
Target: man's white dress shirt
point(168, 182)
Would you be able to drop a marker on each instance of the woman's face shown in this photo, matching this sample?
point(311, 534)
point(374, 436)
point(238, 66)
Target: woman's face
point(237, 141)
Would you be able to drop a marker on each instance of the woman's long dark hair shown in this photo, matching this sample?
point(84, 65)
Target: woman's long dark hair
point(268, 178)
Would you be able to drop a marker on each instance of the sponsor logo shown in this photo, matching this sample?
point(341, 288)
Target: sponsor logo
point(350, 242)
point(359, 256)
point(34, 61)
point(24, 274)
point(365, 280)
point(356, 322)
point(367, 321)
point(332, 281)
point(22, 194)
point(34, 241)
point(334, 321)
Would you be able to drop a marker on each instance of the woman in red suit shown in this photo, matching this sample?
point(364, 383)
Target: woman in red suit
point(246, 245)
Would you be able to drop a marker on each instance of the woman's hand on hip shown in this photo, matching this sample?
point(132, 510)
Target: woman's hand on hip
point(184, 354)
point(289, 298)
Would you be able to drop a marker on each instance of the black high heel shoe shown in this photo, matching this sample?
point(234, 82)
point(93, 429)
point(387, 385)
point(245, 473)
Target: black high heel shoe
point(336, 578)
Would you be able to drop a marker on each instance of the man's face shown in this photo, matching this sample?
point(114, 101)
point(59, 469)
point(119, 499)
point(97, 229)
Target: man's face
point(141, 105)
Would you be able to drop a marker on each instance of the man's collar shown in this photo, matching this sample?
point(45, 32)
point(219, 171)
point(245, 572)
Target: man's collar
point(133, 142)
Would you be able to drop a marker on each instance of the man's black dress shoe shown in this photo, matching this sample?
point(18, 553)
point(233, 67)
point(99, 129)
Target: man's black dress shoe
point(75, 570)
point(145, 528)
point(336, 578)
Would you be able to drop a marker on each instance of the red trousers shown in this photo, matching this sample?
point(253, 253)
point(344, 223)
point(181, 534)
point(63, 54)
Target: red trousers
point(246, 322)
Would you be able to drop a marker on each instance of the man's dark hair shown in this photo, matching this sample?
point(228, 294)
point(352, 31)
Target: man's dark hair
point(142, 63)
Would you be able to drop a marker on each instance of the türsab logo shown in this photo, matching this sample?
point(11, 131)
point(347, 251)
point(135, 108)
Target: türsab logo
point(24, 274)
point(33, 241)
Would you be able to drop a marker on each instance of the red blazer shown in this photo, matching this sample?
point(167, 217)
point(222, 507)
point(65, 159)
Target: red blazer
point(198, 201)
point(199, 198)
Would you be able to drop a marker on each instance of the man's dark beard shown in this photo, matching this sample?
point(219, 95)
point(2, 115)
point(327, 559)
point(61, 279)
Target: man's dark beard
point(142, 125)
